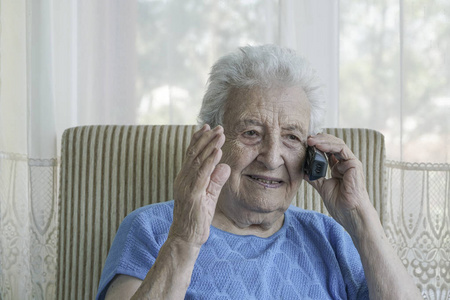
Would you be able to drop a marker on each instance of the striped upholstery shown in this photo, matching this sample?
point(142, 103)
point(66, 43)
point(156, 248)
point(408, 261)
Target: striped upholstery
point(108, 171)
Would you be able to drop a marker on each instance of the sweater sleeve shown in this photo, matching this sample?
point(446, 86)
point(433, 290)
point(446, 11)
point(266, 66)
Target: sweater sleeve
point(136, 244)
point(350, 264)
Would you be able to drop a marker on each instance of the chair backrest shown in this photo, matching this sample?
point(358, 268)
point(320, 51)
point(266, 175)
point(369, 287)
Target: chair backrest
point(109, 171)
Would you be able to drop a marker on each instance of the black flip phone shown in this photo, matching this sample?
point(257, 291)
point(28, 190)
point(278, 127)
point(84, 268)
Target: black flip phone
point(315, 163)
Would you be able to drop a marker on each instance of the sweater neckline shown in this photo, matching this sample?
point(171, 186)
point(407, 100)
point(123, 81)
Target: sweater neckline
point(237, 236)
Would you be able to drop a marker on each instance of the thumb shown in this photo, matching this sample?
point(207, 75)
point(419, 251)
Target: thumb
point(316, 184)
point(218, 177)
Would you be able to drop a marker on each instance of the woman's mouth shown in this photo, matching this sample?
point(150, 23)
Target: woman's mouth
point(267, 182)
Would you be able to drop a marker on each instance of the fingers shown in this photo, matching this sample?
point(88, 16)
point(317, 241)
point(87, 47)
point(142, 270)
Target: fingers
point(316, 184)
point(332, 160)
point(340, 158)
point(218, 178)
point(203, 143)
point(331, 145)
point(198, 184)
point(205, 170)
point(199, 133)
point(202, 156)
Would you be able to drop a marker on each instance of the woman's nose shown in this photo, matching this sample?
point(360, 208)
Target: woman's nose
point(270, 154)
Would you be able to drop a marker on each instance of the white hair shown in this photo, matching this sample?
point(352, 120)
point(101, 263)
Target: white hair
point(261, 66)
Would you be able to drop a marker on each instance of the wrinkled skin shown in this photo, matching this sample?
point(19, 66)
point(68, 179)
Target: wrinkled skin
point(264, 148)
point(197, 186)
point(345, 192)
point(266, 132)
point(264, 142)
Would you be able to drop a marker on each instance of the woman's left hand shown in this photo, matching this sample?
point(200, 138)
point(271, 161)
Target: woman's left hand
point(347, 201)
point(344, 194)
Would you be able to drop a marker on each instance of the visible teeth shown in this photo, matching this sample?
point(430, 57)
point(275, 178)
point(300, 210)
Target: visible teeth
point(266, 181)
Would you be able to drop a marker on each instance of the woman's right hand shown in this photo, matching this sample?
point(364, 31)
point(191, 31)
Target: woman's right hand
point(197, 187)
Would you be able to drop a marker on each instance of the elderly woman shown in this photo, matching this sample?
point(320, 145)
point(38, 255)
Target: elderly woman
point(230, 232)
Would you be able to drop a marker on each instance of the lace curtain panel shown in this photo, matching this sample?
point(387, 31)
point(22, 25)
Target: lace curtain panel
point(417, 222)
point(28, 226)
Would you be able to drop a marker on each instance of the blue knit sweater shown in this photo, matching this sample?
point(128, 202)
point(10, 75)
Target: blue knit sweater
point(310, 257)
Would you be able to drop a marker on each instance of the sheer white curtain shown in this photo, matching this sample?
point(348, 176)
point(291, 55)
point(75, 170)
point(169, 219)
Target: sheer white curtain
point(63, 63)
point(178, 41)
point(79, 62)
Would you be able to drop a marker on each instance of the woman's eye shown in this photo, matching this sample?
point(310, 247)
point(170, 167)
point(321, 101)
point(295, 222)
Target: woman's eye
point(250, 133)
point(292, 137)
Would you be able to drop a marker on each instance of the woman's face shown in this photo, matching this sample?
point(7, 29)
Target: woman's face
point(266, 132)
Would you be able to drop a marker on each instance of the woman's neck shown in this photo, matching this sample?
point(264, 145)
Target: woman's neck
point(248, 223)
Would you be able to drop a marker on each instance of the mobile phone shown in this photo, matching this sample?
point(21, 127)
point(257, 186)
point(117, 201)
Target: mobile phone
point(315, 163)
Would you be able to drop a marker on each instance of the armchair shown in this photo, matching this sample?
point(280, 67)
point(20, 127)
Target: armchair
point(109, 171)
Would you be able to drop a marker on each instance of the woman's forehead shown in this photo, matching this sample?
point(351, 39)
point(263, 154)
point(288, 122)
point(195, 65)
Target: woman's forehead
point(288, 107)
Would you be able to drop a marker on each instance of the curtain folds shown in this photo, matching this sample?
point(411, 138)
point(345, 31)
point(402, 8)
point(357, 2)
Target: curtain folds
point(63, 63)
point(82, 62)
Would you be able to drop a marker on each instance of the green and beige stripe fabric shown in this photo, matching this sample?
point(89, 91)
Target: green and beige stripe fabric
point(108, 171)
